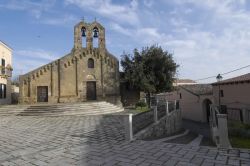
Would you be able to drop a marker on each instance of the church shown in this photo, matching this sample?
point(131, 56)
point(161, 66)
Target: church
point(88, 73)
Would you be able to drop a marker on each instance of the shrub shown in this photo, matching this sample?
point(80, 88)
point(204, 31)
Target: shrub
point(141, 104)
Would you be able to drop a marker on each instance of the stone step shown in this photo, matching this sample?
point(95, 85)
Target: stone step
point(56, 115)
point(59, 104)
point(88, 108)
point(80, 106)
point(67, 113)
point(57, 111)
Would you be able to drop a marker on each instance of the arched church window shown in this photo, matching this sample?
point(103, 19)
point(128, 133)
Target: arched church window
point(95, 37)
point(83, 34)
point(91, 63)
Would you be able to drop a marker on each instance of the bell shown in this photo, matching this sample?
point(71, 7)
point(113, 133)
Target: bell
point(83, 34)
point(95, 33)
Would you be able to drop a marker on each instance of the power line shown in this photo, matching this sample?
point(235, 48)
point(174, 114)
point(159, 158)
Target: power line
point(235, 70)
point(224, 73)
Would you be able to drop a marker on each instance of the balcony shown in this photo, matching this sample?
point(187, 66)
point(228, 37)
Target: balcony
point(6, 71)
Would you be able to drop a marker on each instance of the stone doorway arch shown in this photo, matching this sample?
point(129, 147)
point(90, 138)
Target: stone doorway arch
point(91, 87)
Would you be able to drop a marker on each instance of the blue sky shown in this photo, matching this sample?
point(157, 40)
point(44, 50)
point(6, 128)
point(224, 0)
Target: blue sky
point(207, 37)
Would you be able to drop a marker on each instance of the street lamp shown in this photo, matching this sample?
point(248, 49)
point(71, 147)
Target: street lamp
point(219, 78)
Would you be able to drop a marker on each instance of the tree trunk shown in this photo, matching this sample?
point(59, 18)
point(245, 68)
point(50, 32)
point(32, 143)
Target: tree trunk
point(148, 99)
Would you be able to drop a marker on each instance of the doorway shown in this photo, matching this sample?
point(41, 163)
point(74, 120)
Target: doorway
point(91, 90)
point(206, 106)
point(42, 94)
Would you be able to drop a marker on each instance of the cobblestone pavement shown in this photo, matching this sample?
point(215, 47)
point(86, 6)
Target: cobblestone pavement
point(97, 140)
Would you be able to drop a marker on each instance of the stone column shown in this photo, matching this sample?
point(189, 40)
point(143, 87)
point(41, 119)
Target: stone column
point(155, 114)
point(51, 81)
point(128, 127)
point(223, 131)
point(245, 114)
point(76, 75)
point(59, 79)
point(167, 111)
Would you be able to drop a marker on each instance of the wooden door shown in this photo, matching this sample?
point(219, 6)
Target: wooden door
point(91, 90)
point(42, 94)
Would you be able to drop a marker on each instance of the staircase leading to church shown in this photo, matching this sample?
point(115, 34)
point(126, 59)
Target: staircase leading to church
point(87, 108)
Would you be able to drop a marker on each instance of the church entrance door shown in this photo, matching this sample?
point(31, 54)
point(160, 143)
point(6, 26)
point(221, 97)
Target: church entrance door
point(91, 90)
point(42, 94)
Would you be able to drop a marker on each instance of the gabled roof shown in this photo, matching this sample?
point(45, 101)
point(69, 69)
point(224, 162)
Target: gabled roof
point(198, 89)
point(240, 79)
point(6, 45)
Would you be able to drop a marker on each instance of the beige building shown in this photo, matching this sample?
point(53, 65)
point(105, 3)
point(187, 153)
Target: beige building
point(234, 94)
point(5, 73)
point(194, 100)
point(88, 72)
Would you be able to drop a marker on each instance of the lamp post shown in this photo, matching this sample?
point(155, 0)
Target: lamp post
point(219, 78)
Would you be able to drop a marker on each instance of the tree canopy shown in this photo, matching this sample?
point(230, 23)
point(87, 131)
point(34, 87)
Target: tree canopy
point(151, 70)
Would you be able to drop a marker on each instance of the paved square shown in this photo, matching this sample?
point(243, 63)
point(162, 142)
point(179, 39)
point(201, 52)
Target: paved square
point(96, 140)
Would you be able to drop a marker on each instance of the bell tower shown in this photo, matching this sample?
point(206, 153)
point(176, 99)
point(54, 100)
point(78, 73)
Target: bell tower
point(89, 35)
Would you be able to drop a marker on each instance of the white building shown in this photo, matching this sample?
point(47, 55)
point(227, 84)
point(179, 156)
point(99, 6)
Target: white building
point(5, 73)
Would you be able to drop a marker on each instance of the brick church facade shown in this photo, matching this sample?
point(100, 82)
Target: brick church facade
point(89, 72)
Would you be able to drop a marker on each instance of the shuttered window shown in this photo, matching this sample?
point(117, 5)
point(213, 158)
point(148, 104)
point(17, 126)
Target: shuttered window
point(3, 91)
point(3, 66)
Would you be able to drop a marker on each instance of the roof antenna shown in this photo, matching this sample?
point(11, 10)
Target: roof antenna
point(95, 19)
point(83, 18)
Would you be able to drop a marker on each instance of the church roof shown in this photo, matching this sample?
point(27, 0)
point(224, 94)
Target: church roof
point(198, 89)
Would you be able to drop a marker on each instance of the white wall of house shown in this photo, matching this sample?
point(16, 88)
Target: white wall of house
point(6, 55)
point(192, 106)
point(234, 95)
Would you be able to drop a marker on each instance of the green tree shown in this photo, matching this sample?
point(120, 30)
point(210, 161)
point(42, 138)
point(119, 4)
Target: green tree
point(151, 70)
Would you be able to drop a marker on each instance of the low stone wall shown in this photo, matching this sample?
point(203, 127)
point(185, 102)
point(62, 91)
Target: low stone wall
point(164, 126)
point(113, 99)
point(14, 98)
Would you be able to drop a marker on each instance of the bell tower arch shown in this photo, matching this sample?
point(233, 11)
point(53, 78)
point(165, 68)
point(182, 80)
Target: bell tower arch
point(88, 32)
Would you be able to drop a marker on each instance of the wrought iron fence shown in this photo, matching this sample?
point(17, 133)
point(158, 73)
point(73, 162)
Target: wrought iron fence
point(153, 101)
point(161, 111)
point(142, 120)
point(171, 106)
point(177, 105)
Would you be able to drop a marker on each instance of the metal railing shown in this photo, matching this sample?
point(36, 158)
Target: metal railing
point(159, 109)
point(6, 71)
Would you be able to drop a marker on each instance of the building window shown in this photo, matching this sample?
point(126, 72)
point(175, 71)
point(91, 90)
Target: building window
point(2, 91)
point(3, 66)
point(91, 63)
point(180, 96)
point(221, 93)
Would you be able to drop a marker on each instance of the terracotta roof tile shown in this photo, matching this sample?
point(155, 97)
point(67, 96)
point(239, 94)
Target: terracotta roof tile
point(199, 89)
point(239, 79)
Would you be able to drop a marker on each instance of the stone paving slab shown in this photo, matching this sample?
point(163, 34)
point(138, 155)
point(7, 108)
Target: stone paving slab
point(97, 140)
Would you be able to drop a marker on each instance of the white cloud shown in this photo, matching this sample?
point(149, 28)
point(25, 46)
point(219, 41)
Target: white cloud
point(36, 54)
point(118, 13)
point(29, 59)
point(148, 3)
point(63, 20)
point(34, 7)
point(145, 35)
